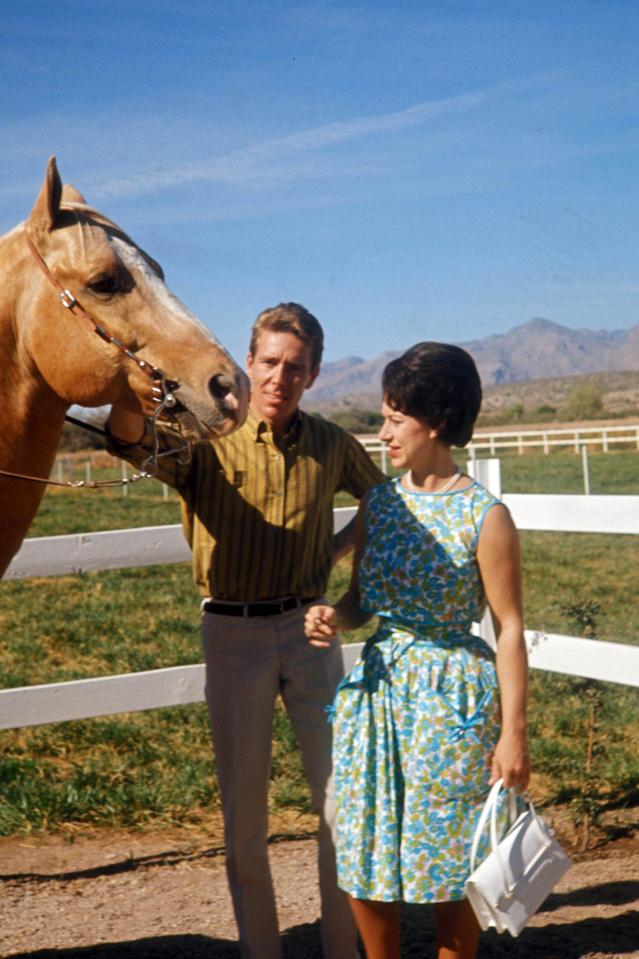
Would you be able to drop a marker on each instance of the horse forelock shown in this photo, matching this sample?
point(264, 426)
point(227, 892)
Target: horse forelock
point(90, 221)
point(86, 214)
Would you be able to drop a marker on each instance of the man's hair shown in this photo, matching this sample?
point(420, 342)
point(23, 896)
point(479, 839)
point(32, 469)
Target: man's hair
point(291, 318)
point(437, 384)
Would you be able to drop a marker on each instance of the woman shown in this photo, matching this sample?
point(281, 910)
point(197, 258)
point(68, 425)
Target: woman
point(429, 718)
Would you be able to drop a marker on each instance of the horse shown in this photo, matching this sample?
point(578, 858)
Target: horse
point(149, 347)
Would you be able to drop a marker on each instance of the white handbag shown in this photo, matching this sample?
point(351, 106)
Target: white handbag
point(509, 886)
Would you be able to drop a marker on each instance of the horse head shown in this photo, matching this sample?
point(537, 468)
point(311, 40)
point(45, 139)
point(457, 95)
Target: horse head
point(117, 290)
point(123, 339)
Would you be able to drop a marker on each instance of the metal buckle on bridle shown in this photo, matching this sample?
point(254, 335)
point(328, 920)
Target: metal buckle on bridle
point(167, 386)
point(167, 402)
point(67, 299)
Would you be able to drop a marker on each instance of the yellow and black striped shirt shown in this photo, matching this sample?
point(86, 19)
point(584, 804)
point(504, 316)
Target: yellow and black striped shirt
point(259, 516)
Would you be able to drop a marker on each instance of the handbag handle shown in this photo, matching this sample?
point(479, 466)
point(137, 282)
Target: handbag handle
point(489, 812)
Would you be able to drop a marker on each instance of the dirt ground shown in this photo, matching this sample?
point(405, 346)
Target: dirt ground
point(160, 895)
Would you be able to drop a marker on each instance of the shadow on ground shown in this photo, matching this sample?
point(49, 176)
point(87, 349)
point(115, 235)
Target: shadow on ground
point(615, 937)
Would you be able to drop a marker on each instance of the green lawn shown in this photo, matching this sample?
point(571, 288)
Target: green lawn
point(610, 473)
point(123, 770)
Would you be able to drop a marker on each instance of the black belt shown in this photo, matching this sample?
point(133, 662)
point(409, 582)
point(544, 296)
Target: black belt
point(267, 607)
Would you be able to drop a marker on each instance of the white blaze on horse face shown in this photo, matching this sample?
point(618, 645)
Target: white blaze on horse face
point(209, 364)
point(171, 309)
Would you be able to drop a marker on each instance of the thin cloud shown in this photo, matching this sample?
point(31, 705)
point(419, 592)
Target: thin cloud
point(252, 162)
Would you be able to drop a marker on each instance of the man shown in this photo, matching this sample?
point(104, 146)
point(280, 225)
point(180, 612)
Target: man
point(258, 515)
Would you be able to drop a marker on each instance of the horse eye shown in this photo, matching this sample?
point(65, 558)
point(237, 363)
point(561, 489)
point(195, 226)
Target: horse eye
point(104, 284)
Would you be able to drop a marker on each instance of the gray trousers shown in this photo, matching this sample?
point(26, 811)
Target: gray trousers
point(248, 663)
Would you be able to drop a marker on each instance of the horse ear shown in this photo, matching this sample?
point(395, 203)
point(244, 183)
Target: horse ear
point(47, 206)
point(71, 195)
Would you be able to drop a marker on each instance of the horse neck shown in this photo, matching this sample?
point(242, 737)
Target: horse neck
point(31, 414)
point(31, 417)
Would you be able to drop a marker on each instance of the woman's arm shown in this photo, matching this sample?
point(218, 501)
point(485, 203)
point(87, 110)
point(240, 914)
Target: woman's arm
point(498, 558)
point(322, 622)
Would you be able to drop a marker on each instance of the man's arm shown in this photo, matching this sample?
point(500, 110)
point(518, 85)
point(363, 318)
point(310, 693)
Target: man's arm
point(131, 437)
point(360, 474)
point(344, 541)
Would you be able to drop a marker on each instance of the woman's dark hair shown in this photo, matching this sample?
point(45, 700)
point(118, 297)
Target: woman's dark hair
point(438, 384)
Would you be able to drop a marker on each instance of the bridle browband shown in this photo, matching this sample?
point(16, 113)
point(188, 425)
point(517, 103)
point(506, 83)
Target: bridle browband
point(167, 401)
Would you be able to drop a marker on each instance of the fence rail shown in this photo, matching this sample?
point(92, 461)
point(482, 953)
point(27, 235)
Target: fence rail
point(147, 545)
point(576, 437)
point(182, 685)
point(172, 686)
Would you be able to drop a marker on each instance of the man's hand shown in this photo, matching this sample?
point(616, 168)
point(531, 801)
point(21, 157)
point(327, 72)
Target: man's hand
point(125, 426)
point(320, 625)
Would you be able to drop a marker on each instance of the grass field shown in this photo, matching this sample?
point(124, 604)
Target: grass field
point(611, 473)
point(152, 767)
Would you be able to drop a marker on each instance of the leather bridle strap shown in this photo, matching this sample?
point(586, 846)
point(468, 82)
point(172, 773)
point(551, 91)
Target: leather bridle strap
point(68, 300)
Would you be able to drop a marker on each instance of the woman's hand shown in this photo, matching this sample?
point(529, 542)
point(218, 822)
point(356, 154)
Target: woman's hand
point(510, 760)
point(320, 625)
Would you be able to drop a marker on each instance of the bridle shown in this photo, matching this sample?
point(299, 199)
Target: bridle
point(167, 402)
point(70, 303)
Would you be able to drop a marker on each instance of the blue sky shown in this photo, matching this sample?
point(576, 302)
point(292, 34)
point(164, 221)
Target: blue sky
point(422, 170)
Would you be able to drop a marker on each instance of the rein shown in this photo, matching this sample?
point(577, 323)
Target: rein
point(166, 402)
point(80, 484)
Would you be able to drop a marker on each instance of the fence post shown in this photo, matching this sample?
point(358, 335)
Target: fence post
point(487, 472)
point(586, 471)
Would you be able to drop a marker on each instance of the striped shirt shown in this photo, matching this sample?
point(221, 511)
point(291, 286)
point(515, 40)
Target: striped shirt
point(259, 516)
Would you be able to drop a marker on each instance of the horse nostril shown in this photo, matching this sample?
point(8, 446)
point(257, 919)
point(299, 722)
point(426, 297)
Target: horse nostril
point(221, 389)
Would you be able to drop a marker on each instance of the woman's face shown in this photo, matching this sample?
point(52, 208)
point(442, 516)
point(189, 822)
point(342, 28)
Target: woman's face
point(407, 438)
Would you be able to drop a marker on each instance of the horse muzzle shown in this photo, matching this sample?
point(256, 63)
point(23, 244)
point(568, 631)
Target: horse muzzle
point(226, 411)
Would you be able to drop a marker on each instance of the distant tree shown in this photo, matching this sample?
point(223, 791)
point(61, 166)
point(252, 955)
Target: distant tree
point(545, 411)
point(584, 402)
point(357, 420)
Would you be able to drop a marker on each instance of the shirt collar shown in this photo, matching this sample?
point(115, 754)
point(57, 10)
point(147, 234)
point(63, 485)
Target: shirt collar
point(257, 427)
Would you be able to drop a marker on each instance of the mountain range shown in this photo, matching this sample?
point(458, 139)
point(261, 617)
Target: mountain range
point(538, 349)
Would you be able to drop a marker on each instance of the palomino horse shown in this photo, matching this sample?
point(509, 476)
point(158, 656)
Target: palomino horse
point(68, 255)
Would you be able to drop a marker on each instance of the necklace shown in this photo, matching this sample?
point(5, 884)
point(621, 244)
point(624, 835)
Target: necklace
point(444, 489)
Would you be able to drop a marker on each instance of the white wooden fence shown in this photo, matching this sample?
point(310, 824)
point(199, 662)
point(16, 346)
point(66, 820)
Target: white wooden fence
point(577, 438)
point(87, 552)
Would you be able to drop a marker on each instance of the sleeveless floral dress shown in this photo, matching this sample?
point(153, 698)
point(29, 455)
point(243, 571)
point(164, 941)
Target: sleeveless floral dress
point(417, 719)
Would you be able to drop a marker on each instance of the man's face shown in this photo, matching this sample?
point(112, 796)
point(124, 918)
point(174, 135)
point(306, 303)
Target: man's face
point(279, 371)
